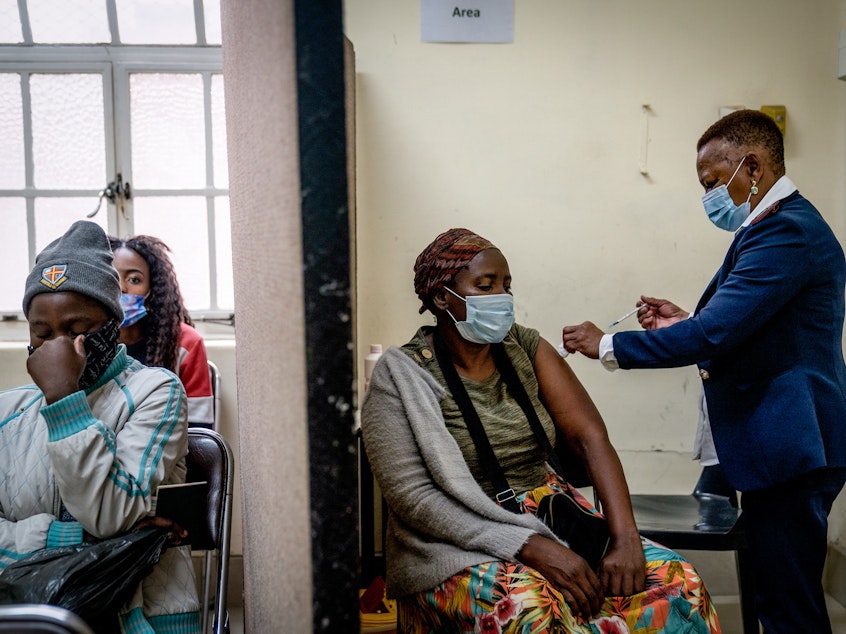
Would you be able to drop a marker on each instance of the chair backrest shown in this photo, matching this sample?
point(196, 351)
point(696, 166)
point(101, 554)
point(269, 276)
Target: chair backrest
point(41, 619)
point(210, 459)
point(214, 376)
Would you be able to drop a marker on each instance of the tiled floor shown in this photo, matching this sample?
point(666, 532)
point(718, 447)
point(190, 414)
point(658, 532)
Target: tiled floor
point(728, 609)
point(236, 620)
point(719, 573)
point(716, 568)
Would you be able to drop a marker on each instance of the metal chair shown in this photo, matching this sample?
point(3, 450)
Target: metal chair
point(214, 376)
point(707, 519)
point(40, 619)
point(210, 459)
point(214, 379)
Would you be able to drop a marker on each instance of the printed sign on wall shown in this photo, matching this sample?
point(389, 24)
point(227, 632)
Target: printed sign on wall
point(467, 20)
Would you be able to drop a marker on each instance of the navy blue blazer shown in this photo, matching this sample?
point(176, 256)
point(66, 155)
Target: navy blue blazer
point(767, 337)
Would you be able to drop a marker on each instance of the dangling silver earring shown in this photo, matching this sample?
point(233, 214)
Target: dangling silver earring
point(754, 189)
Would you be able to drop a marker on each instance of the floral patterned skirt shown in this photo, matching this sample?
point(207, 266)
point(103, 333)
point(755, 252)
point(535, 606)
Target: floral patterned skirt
point(500, 596)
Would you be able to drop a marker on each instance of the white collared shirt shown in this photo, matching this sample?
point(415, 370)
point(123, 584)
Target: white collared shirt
point(782, 188)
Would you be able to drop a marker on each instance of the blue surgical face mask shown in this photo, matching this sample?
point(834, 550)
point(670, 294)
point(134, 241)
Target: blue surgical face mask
point(489, 317)
point(721, 209)
point(133, 308)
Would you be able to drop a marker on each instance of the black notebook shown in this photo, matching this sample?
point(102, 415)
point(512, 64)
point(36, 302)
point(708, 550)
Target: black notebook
point(184, 504)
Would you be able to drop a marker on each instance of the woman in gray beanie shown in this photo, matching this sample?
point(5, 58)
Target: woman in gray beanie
point(84, 449)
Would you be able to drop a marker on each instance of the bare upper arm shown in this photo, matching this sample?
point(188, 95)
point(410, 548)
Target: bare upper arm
point(565, 398)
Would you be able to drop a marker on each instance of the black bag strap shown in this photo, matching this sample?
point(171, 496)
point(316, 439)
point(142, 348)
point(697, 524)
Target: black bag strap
point(518, 390)
point(505, 494)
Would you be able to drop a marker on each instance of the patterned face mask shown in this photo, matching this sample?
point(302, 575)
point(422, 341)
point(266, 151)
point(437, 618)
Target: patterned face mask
point(133, 308)
point(101, 347)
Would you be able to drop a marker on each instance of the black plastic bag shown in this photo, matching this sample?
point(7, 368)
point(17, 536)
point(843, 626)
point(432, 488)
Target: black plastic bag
point(93, 580)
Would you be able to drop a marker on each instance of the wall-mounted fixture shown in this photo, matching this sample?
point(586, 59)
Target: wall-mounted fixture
point(779, 114)
point(841, 59)
point(646, 110)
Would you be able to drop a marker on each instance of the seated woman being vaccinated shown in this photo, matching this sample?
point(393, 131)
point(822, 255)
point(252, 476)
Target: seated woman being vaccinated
point(458, 559)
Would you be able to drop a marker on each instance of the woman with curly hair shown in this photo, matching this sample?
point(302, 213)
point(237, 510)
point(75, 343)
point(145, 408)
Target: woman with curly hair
point(157, 328)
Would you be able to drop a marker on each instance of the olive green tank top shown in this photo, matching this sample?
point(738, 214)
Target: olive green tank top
point(515, 446)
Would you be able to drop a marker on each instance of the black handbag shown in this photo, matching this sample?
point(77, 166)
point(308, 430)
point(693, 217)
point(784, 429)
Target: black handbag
point(584, 532)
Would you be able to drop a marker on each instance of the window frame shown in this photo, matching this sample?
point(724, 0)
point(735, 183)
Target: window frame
point(116, 63)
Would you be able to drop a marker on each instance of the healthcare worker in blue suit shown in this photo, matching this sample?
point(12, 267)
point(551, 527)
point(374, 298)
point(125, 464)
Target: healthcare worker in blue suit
point(767, 339)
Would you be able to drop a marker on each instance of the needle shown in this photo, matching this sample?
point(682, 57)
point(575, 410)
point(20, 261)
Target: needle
point(626, 316)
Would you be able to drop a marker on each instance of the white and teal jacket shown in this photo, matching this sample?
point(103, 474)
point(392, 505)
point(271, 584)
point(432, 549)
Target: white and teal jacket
point(102, 453)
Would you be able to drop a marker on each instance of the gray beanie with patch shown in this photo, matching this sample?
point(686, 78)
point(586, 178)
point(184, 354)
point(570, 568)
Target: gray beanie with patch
point(79, 261)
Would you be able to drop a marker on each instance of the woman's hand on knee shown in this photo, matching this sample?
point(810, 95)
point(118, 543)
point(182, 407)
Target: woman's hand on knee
point(567, 571)
point(623, 569)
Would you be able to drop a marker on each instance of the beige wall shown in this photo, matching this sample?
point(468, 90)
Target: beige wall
point(537, 145)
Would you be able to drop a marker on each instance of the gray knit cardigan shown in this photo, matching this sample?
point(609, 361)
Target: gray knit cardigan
point(440, 520)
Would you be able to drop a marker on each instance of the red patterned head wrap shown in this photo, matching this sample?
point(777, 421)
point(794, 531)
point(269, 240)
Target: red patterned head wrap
point(443, 259)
